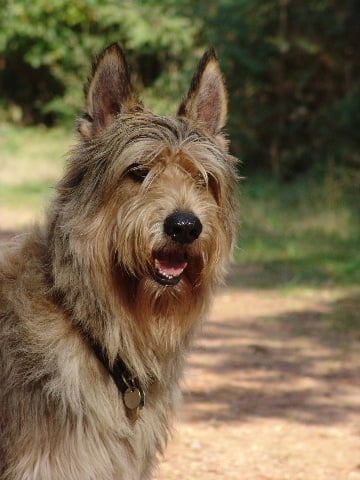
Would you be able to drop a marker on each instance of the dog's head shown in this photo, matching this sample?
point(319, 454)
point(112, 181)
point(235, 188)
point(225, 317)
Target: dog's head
point(151, 199)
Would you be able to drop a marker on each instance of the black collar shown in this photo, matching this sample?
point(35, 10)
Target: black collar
point(128, 385)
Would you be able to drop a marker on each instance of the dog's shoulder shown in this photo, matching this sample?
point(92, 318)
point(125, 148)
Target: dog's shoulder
point(22, 264)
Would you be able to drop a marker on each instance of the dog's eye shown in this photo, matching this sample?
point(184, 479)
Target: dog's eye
point(138, 172)
point(200, 179)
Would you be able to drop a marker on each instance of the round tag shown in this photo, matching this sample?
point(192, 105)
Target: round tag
point(132, 398)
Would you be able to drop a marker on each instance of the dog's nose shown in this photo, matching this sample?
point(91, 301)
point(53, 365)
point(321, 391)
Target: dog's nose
point(183, 227)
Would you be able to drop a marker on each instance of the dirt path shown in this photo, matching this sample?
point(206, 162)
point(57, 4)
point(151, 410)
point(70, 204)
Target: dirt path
point(271, 392)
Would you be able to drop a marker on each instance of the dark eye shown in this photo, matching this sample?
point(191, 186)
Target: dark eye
point(200, 179)
point(138, 172)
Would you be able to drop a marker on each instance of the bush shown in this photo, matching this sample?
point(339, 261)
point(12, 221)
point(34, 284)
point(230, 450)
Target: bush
point(46, 49)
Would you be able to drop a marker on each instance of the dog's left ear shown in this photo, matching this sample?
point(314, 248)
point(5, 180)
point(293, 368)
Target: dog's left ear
point(109, 92)
point(206, 101)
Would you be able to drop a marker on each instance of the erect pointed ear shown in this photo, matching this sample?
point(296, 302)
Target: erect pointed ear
point(206, 101)
point(109, 92)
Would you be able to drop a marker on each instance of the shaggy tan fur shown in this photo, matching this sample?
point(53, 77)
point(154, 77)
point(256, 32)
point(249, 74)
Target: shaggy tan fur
point(92, 269)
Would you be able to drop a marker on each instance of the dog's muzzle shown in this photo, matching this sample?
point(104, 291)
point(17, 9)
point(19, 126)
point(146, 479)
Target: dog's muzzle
point(183, 228)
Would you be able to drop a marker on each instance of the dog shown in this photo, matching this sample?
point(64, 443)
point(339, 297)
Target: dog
point(99, 304)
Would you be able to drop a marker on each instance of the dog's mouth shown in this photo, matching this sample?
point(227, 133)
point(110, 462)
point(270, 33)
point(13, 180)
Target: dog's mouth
point(169, 267)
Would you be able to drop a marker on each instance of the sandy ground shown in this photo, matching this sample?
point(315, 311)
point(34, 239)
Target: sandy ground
point(271, 392)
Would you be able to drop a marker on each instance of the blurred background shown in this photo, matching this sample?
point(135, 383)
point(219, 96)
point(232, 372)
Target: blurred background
point(292, 70)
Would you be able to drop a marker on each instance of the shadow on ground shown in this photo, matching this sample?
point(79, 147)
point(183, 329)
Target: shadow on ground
point(301, 365)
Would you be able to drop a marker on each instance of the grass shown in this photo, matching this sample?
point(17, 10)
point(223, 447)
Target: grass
point(31, 162)
point(301, 234)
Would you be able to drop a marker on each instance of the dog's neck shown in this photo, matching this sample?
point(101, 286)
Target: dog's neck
point(128, 384)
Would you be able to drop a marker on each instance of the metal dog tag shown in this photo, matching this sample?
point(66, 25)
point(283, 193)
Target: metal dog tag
point(132, 398)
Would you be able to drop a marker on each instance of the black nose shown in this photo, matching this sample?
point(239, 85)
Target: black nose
point(182, 227)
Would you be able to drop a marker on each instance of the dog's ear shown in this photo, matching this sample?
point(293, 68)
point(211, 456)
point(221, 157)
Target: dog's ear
point(109, 92)
point(206, 101)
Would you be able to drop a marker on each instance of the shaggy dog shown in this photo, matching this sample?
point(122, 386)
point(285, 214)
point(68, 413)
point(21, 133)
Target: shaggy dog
point(97, 307)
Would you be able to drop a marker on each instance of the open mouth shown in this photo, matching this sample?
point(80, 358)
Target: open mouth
point(169, 267)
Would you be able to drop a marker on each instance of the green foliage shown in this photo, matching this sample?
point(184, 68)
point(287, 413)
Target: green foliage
point(292, 68)
point(293, 73)
point(46, 49)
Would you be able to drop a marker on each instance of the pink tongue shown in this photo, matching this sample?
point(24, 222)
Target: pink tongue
point(170, 268)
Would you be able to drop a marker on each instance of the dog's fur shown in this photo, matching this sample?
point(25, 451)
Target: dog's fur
point(104, 264)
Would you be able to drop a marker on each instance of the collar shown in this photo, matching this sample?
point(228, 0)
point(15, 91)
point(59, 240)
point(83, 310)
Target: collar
point(128, 385)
